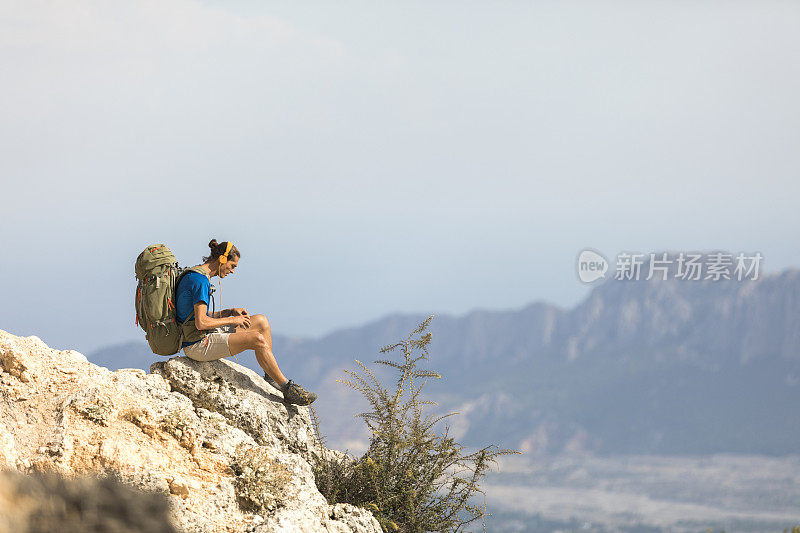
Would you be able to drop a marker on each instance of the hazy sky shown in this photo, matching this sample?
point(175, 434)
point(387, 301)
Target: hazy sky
point(374, 157)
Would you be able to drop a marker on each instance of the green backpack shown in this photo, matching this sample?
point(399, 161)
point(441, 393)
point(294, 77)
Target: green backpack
point(158, 274)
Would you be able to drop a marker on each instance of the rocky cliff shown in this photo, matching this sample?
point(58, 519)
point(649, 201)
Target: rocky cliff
point(214, 437)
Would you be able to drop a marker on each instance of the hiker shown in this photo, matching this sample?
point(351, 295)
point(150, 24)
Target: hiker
point(208, 337)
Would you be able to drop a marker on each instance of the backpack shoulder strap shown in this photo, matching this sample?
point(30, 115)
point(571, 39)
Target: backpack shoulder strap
point(185, 271)
point(180, 277)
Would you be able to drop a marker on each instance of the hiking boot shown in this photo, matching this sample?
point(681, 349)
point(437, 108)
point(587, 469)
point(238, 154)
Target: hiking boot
point(297, 395)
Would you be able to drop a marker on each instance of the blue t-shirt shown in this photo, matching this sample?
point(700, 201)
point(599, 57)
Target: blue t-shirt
point(193, 288)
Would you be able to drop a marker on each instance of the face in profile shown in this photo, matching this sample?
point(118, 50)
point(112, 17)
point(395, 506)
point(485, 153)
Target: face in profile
point(229, 267)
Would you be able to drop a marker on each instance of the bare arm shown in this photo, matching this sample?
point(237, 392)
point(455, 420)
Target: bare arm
point(236, 311)
point(202, 321)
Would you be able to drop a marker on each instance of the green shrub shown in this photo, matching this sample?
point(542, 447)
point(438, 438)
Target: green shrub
point(410, 477)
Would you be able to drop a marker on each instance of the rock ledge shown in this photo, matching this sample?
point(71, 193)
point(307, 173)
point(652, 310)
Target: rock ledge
point(214, 437)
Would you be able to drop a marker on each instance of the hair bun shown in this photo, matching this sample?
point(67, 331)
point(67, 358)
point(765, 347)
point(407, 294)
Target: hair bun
point(212, 244)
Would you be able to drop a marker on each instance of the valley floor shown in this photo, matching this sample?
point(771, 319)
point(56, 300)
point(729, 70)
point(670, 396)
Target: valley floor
point(742, 493)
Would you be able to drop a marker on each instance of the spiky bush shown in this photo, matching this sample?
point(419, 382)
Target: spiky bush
point(412, 478)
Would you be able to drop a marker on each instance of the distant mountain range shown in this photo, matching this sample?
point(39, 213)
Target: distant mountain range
point(666, 367)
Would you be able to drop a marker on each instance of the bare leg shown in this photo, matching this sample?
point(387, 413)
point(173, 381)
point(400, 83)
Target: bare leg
point(259, 339)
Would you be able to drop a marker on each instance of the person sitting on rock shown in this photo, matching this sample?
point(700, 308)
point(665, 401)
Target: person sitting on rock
point(208, 337)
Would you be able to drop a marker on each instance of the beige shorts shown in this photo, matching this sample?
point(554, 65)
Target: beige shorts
point(214, 346)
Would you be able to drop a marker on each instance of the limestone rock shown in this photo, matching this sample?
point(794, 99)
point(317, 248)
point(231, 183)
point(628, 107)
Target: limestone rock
point(8, 450)
point(15, 360)
point(212, 438)
point(179, 487)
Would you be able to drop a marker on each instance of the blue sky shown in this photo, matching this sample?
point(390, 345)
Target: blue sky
point(369, 158)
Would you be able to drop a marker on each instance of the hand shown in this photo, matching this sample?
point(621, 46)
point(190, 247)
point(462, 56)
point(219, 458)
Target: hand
point(243, 321)
point(239, 311)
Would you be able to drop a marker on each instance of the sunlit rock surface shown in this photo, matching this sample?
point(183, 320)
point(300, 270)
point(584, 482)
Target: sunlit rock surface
point(214, 438)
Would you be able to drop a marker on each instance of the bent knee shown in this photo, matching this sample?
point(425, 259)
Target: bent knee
point(260, 322)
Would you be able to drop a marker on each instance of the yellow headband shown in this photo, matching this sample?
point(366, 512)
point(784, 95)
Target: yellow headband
point(224, 257)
